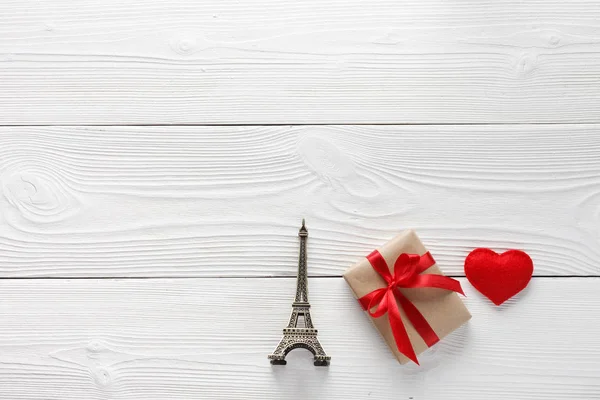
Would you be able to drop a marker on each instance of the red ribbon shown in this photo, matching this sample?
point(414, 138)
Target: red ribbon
point(407, 274)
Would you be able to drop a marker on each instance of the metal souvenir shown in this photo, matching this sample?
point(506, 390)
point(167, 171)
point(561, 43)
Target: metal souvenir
point(300, 332)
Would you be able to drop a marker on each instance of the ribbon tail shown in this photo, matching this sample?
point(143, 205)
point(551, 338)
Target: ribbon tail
point(417, 320)
point(436, 281)
point(400, 335)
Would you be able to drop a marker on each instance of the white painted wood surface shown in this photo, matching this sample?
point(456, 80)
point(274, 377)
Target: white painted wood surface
point(209, 338)
point(475, 123)
point(340, 61)
point(227, 201)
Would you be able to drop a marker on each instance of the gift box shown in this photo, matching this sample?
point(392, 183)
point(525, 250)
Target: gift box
point(409, 301)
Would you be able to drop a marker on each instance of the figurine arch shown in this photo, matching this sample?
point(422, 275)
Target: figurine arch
point(320, 359)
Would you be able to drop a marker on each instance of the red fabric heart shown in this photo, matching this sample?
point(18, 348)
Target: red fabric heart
point(498, 276)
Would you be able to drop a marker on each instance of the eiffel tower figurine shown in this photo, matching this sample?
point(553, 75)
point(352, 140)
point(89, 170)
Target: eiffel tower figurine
point(305, 335)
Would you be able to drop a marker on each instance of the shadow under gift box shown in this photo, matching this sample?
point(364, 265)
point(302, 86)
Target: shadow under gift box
point(443, 309)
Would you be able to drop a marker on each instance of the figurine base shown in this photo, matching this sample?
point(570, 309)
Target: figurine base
point(317, 363)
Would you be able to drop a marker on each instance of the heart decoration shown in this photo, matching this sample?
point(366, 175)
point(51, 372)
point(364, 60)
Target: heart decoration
point(498, 276)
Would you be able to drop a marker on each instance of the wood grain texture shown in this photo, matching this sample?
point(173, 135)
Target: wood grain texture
point(227, 201)
point(209, 338)
point(350, 61)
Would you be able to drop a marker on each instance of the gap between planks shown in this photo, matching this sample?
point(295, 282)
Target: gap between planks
point(38, 278)
point(300, 124)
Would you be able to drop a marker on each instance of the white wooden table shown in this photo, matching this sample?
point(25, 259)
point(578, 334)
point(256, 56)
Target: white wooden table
point(157, 157)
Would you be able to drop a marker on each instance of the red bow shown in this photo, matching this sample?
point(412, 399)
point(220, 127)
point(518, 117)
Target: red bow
point(407, 274)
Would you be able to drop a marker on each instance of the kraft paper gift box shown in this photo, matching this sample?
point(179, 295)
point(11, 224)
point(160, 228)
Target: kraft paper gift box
point(443, 309)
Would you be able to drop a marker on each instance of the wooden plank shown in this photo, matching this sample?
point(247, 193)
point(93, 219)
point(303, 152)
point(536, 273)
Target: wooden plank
point(209, 338)
point(351, 61)
point(227, 201)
